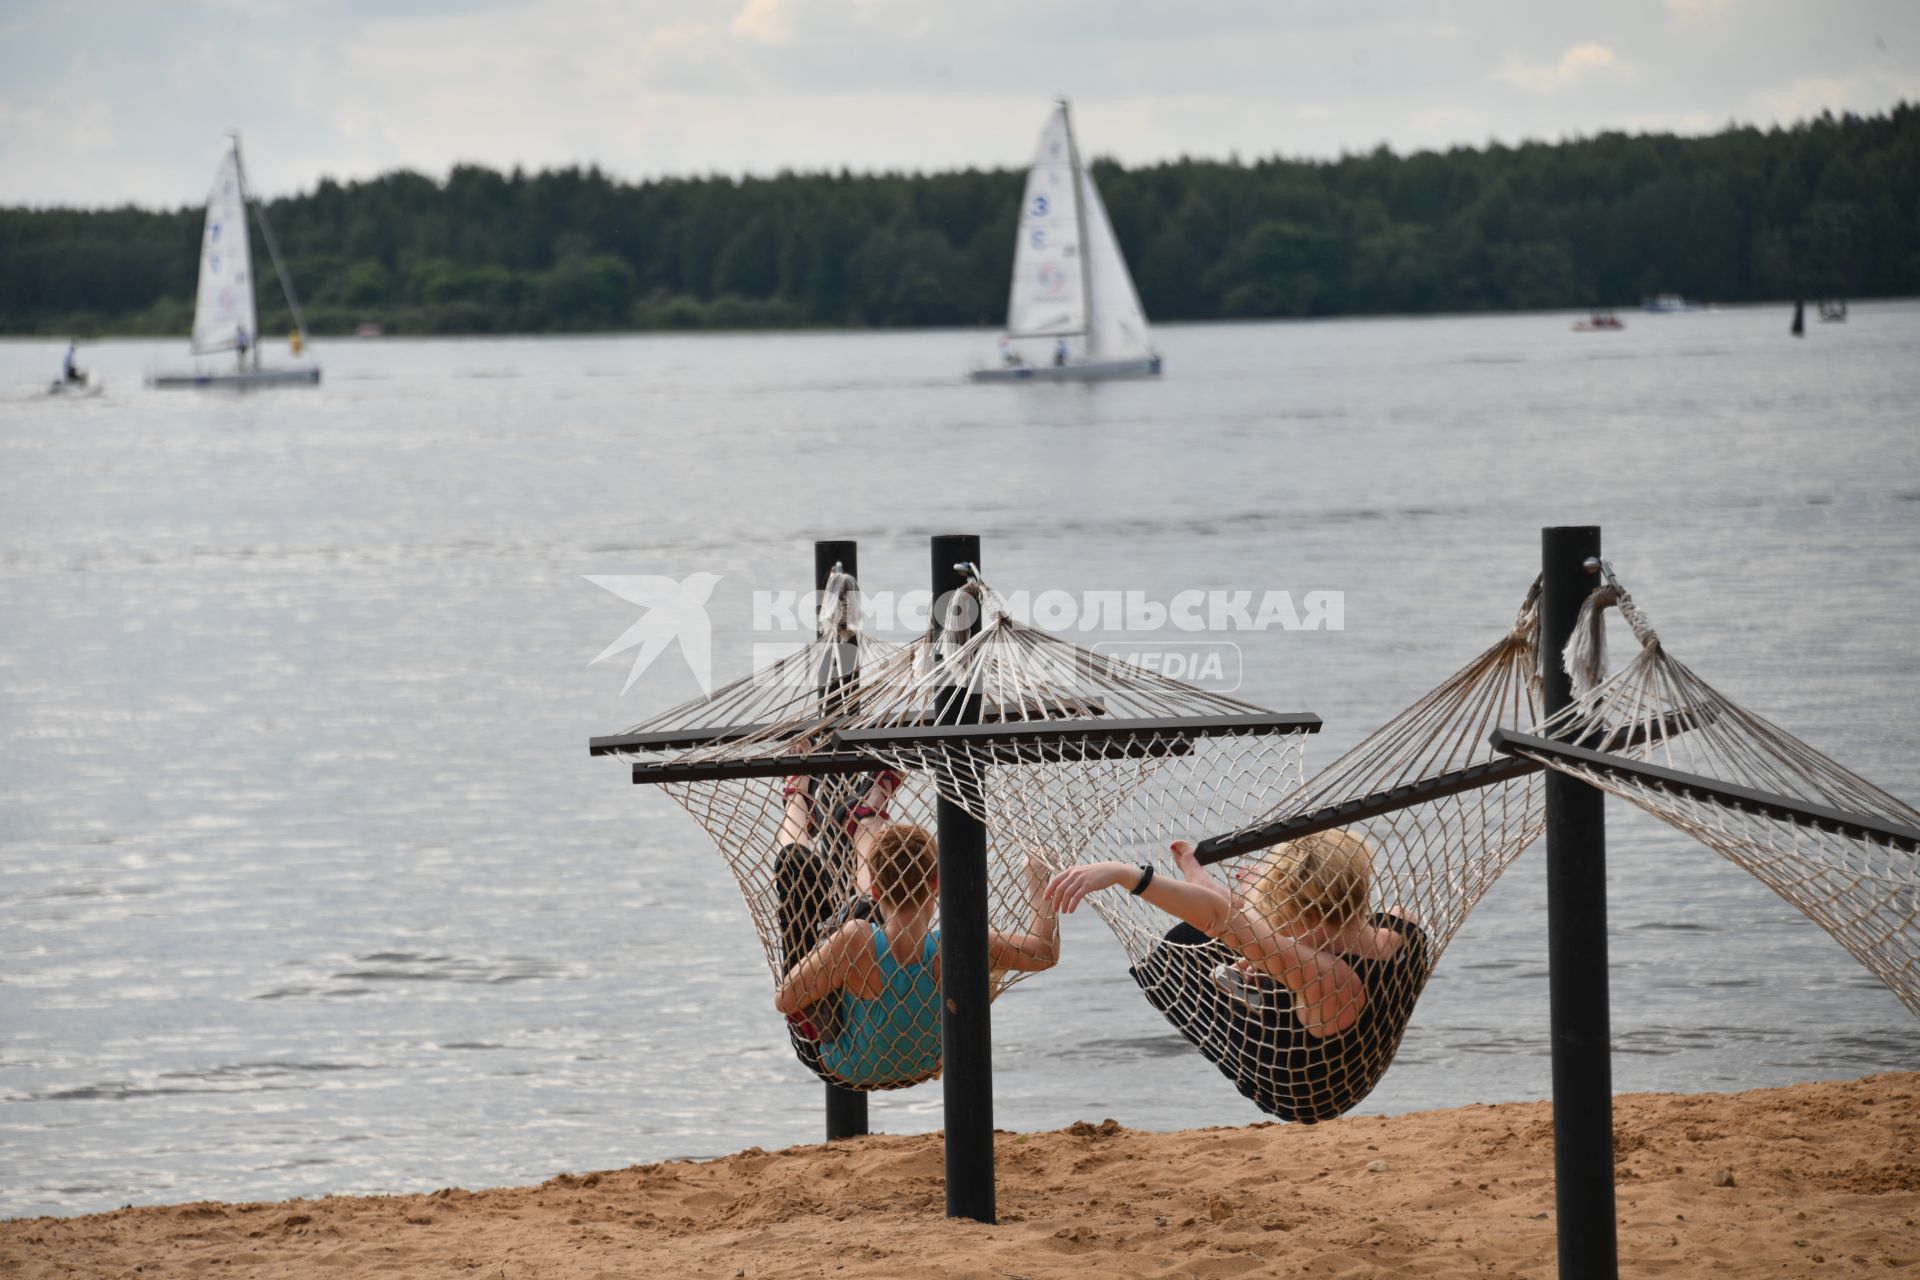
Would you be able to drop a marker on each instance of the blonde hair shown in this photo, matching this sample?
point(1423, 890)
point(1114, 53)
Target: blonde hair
point(1326, 875)
point(904, 859)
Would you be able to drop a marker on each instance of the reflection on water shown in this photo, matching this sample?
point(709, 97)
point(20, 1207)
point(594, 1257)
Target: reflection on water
point(307, 883)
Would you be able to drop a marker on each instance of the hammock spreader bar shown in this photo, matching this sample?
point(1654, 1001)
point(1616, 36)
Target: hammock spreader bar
point(1079, 732)
point(1485, 774)
point(684, 739)
point(672, 739)
point(1858, 826)
point(1014, 742)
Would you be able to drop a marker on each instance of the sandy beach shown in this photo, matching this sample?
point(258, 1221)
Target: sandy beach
point(1811, 1179)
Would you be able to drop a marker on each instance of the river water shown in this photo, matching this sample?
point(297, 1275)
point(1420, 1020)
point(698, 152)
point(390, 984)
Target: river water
point(308, 885)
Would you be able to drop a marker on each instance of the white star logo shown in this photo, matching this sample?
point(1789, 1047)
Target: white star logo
point(674, 611)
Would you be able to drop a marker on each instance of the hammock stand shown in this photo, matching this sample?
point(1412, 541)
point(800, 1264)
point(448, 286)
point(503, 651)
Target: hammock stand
point(1577, 756)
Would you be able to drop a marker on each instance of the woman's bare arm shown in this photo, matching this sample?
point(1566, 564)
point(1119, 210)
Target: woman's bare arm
point(1039, 947)
point(1205, 906)
point(824, 970)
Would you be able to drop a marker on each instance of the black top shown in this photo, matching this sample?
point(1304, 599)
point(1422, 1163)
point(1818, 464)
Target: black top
point(1260, 1045)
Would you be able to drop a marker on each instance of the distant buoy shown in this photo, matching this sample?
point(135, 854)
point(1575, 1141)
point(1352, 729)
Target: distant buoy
point(1799, 318)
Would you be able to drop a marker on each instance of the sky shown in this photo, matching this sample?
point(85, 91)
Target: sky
point(110, 102)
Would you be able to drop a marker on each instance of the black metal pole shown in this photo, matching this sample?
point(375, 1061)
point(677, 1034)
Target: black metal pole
point(846, 1108)
point(1576, 943)
point(966, 1027)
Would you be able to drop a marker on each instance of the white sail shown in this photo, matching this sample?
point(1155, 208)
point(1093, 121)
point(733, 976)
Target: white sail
point(1069, 279)
point(1048, 297)
point(223, 308)
point(1117, 327)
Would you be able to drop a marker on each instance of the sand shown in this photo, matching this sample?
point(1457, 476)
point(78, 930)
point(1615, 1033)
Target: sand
point(1814, 1179)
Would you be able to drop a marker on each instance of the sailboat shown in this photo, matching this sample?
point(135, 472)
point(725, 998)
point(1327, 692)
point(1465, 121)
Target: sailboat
point(223, 311)
point(1072, 313)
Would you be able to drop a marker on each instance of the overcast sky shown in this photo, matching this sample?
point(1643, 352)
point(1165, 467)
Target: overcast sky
point(102, 103)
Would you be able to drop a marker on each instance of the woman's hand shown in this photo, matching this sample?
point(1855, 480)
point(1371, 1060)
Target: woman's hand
point(1036, 877)
point(1068, 889)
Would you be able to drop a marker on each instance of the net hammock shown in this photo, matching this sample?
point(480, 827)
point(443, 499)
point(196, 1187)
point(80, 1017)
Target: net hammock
point(1854, 871)
point(1409, 829)
point(1378, 858)
point(772, 768)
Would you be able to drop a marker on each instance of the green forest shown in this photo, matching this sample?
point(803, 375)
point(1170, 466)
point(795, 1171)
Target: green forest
point(1827, 208)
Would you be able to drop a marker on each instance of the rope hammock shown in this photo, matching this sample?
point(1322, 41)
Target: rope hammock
point(763, 766)
point(1401, 836)
point(1409, 872)
point(1743, 787)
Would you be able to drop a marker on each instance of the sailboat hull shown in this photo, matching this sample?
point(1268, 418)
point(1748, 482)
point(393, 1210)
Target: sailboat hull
point(240, 379)
point(1080, 371)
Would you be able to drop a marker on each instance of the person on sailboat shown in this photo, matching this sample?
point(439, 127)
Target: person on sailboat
point(1009, 358)
point(1060, 353)
point(240, 343)
point(69, 371)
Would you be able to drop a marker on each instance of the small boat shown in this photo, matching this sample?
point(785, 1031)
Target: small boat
point(223, 310)
point(1667, 304)
point(1072, 312)
point(83, 387)
point(1833, 310)
point(1598, 322)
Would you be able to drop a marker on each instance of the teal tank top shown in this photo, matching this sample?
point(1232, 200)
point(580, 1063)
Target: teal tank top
point(893, 1038)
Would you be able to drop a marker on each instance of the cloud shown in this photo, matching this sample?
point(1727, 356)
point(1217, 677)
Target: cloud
point(1575, 65)
point(653, 87)
point(764, 22)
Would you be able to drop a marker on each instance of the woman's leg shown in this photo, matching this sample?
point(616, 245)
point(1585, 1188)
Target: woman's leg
point(866, 816)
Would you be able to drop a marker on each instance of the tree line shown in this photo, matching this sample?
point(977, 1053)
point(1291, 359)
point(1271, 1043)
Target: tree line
point(1828, 207)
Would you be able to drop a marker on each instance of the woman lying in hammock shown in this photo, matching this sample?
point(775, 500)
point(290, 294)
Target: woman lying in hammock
point(878, 972)
point(1288, 984)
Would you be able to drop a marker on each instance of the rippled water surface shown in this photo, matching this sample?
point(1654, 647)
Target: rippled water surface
point(307, 883)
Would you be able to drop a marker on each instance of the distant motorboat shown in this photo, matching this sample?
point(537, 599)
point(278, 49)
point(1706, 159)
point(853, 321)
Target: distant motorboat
point(1667, 304)
point(1598, 322)
point(224, 318)
point(1072, 299)
point(1833, 310)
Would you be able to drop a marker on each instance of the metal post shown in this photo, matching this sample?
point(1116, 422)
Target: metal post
point(846, 1108)
point(1576, 944)
point(966, 1029)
